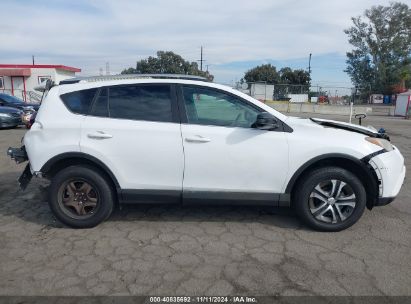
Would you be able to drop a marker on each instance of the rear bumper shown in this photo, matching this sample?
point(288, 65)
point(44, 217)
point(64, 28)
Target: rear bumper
point(17, 154)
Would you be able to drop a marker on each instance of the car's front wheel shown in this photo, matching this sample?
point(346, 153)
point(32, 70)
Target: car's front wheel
point(80, 197)
point(329, 199)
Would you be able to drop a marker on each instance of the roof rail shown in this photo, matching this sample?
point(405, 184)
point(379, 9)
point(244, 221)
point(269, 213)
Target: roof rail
point(132, 76)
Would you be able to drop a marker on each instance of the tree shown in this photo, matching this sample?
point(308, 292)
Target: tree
point(381, 48)
point(263, 73)
point(167, 63)
point(286, 81)
point(289, 76)
point(268, 73)
point(405, 76)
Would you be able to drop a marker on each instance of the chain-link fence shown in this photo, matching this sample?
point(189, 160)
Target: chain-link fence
point(297, 93)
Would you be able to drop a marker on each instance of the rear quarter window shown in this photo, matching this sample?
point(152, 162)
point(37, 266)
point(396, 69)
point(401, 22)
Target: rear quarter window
point(79, 102)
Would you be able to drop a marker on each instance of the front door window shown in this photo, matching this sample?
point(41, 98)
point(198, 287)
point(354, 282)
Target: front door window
point(207, 106)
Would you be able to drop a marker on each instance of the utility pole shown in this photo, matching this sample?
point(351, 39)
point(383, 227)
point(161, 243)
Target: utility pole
point(309, 65)
point(107, 68)
point(201, 58)
point(32, 58)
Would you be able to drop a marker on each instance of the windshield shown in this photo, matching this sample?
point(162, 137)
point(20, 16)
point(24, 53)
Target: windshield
point(10, 99)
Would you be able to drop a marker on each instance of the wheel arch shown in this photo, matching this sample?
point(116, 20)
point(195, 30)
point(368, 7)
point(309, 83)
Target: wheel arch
point(356, 166)
point(64, 160)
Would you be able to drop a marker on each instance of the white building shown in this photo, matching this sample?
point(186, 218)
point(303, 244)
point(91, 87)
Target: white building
point(262, 91)
point(20, 79)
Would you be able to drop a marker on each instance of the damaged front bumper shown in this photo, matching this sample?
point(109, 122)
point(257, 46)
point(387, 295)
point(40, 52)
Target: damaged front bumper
point(389, 167)
point(19, 155)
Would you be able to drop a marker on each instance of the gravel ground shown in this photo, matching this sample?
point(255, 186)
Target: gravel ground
point(173, 250)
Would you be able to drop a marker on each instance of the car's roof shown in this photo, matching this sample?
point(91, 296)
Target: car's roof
point(131, 76)
point(75, 84)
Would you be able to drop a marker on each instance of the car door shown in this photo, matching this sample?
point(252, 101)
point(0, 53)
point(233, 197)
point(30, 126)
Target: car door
point(226, 159)
point(135, 131)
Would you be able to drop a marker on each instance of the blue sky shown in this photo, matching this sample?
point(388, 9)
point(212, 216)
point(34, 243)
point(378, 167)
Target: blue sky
point(236, 35)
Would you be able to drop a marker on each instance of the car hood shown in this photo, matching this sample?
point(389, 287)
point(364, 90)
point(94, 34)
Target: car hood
point(9, 110)
point(369, 131)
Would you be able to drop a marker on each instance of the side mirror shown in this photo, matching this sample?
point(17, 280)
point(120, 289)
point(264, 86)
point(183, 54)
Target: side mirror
point(265, 121)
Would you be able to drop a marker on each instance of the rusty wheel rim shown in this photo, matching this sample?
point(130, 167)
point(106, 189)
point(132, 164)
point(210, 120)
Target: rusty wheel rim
point(78, 198)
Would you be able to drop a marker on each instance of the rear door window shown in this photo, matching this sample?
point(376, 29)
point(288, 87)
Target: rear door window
point(141, 102)
point(100, 107)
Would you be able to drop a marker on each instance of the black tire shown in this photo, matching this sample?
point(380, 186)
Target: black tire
point(308, 185)
point(103, 196)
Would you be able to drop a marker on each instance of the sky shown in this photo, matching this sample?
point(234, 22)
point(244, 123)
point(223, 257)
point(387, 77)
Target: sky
point(236, 35)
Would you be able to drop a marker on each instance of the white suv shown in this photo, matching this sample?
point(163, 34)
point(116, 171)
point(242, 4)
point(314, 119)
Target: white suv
point(181, 139)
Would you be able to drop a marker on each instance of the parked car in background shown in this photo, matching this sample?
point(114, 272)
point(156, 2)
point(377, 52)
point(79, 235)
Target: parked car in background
point(10, 117)
point(14, 102)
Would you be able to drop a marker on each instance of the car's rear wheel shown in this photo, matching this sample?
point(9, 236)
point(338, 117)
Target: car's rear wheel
point(80, 197)
point(329, 199)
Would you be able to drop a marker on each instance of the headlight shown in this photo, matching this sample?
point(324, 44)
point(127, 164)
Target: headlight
point(383, 143)
point(4, 115)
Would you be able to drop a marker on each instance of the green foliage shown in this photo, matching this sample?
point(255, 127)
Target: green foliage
point(265, 72)
point(381, 48)
point(167, 63)
point(268, 73)
point(289, 76)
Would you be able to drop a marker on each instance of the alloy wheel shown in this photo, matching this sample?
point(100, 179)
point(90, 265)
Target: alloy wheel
point(332, 201)
point(78, 199)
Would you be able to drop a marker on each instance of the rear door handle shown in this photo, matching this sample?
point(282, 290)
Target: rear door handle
point(198, 139)
point(99, 135)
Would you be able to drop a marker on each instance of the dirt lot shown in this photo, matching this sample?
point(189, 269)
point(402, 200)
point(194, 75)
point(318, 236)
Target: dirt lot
point(171, 250)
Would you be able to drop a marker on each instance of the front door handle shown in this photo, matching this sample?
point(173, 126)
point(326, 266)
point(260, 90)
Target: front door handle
point(198, 139)
point(99, 135)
